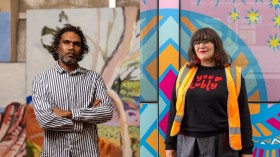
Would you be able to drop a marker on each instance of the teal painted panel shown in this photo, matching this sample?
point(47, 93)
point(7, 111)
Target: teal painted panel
point(149, 129)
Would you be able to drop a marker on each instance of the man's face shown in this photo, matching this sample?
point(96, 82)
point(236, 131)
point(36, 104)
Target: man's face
point(69, 48)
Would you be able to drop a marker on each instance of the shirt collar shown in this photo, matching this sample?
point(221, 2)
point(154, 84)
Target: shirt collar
point(60, 70)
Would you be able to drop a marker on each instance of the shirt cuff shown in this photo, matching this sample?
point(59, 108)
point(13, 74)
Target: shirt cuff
point(76, 114)
point(170, 146)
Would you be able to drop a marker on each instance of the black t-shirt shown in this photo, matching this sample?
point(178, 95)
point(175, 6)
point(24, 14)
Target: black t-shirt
point(205, 112)
point(206, 104)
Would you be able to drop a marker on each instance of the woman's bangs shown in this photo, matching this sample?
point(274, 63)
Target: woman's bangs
point(202, 35)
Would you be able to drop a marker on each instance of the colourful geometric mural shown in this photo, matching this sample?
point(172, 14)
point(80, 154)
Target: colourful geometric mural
point(149, 57)
point(250, 33)
point(149, 78)
point(168, 66)
point(266, 130)
point(149, 129)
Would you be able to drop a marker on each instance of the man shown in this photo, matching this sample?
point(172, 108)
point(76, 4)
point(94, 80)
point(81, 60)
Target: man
point(69, 100)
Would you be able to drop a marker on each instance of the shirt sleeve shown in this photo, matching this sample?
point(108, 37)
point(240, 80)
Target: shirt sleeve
point(100, 114)
point(171, 141)
point(43, 109)
point(246, 128)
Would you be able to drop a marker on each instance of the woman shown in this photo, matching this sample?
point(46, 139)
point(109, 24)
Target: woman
point(209, 114)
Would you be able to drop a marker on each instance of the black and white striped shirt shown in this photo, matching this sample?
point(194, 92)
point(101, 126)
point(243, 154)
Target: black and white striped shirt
point(75, 91)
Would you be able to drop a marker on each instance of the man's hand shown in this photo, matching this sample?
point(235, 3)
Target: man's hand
point(170, 153)
point(68, 114)
point(96, 103)
point(62, 113)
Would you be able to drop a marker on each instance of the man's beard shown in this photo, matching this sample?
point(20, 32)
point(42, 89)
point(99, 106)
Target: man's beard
point(71, 61)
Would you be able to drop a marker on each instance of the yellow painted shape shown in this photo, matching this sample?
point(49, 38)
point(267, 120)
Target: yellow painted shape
point(263, 129)
point(152, 140)
point(168, 56)
point(188, 24)
point(152, 69)
point(183, 61)
point(268, 141)
point(161, 146)
point(267, 153)
point(255, 96)
point(241, 61)
point(273, 153)
point(254, 108)
point(255, 132)
point(149, 26)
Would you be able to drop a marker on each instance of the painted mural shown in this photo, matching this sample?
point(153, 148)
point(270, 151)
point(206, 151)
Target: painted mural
point(12, 110)
point(113, 38)
point(250, 33)
point(5, 38)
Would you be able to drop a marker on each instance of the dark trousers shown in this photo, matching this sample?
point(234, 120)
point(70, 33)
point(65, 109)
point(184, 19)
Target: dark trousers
point(214, 146)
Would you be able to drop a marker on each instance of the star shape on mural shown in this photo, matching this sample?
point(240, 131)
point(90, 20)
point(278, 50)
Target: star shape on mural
point(253, 16)
point(274, 42)
point(234, 14)
point(276, 20)
point(275, 4)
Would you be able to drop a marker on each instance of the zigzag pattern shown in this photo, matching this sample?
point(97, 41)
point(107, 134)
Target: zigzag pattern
point(148, 57)
point(148, 132)
point(265, 128)
point(167, 70)
point(168, 66)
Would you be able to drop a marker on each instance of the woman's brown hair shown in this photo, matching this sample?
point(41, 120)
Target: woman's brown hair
point(220, 57)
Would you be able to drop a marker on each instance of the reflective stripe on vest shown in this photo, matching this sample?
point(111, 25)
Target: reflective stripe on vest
point(233, 76)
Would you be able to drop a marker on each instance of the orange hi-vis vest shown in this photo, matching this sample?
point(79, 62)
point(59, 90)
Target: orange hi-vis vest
point(233, 77)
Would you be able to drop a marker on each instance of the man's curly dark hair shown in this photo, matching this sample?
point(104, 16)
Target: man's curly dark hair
point(57, 37)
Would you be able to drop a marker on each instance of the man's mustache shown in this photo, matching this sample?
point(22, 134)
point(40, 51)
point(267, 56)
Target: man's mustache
point(76, 55)
point(71, 52)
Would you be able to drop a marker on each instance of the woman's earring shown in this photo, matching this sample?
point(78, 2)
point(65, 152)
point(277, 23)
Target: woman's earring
point(218, 58)
point(196, 60)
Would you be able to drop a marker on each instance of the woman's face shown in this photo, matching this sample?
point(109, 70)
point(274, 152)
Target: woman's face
point(204, 50)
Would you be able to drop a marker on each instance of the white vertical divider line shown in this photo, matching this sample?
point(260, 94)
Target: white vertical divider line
point(112, 3)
